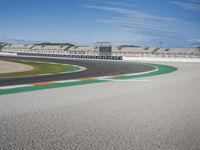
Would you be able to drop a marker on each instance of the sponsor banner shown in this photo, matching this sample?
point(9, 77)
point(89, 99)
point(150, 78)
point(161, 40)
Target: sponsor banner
point(73, 56)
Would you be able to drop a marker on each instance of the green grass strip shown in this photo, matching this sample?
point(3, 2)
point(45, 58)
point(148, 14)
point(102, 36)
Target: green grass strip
point(40, 68)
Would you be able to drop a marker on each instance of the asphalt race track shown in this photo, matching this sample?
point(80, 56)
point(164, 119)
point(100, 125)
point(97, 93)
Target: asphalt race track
point(152, 113)
point(95, 68)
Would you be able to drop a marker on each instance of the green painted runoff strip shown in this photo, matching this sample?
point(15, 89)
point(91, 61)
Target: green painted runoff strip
point(48, 86)
point(162, 69)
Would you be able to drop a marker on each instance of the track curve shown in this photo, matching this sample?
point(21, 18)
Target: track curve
point(95, 68)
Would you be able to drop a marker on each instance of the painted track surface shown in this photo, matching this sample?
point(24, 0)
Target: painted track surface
point(94, 69)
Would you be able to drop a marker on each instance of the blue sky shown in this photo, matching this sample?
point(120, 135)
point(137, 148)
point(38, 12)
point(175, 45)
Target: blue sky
point(169, 23)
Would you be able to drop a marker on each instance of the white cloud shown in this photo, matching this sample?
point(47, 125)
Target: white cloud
point(131, 13)
point(190, 5)
point(141, 23)
point(119, 4)
point(113, 2)
point(195, 40)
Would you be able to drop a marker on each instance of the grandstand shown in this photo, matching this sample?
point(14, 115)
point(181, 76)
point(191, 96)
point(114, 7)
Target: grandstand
point(1, 45)
point(84, 50)
point(146, 50)
point(51, 47)
point(149, 51)
point(126, 50)
point(17, 47)
point(177, 51)
point(132, 51)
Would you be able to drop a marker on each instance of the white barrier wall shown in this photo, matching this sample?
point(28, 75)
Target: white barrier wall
point(8, 54)
point(150, 58)
point(162, 59)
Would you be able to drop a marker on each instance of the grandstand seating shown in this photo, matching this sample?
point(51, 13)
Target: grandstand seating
point(17, 47)
point(37, 47)
point(50, 47)
point(197, 52)
point(72, 48)
point(1, 46)
point(176, 51)
point(65, 47)
point(92, 50)
point(146, 50)
point(83, 48)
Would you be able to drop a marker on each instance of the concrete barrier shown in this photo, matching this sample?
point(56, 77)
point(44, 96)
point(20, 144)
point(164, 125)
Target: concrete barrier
point(7, 54)
point(195, 60)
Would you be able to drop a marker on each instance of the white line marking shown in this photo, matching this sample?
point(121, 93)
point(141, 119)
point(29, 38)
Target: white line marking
point(126, 80)
point(66, 81)
point(13, 86)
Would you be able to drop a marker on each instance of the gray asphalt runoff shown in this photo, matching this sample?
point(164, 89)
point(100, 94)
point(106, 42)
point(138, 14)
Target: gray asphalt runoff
point(154, 113)
point(95, 68)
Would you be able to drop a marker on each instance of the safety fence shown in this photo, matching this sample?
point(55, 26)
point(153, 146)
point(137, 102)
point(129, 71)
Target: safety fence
point(71, 56)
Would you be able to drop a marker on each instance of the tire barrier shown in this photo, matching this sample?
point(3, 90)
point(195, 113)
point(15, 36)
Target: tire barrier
point(72, 56)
